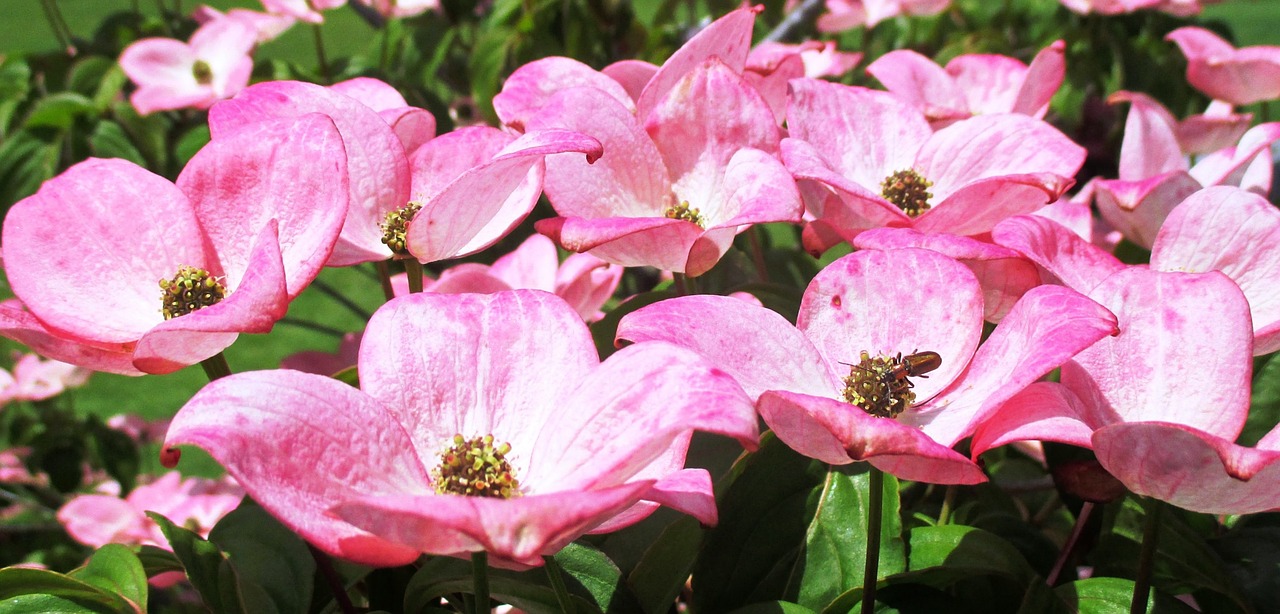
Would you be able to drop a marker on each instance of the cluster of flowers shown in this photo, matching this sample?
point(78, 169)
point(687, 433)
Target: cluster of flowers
point(487, 422)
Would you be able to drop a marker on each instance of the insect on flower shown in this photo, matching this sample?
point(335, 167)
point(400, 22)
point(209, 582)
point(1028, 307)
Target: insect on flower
point(882, 386)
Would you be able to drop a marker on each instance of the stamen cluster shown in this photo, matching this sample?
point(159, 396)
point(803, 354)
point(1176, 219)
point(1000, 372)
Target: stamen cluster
point(476, 468)
point(395, 226)
point(684, 212)
point(202, 72)
point(879, 386)
point(191, 289)
point(907, 189)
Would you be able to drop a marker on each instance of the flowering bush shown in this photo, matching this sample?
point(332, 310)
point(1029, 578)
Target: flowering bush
point(569, 306)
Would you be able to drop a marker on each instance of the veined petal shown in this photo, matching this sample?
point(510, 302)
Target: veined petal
point(977, 207)
point(18, 324)
point(298, 442)
point(1150, 146)
point(628, 241)
point(1138, 208)
point(757, 188)
point(532, 265)
point(848, 207)
point(989, 82)
point(531, 87)
point(1075, 262)
point(1043, 411)
point(919, 80)
point(727, 38)
point(1243, 76)
point(1041, 81)
point(839, 433)
point(776, 357)
point(442, 160)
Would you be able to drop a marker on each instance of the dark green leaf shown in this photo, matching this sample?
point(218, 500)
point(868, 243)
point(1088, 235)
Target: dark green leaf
point(1264, 402)
point(597, 576)
point(209, 571)
point(773, 607)
point(59, 111)
point(114, 451)
point(1114, 596)
point(116, 569)
point(156, 561)
point(442, 576)
point(23, 591)
point(661, 573)
point(952, 552)
point(26, 161)
point(1252, 557)
point(268, 555)
point(15, 83)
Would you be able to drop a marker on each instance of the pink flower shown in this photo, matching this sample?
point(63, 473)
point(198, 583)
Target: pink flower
point(1182, 8)
point(171, 74)
point(972, 84)
point(194, 503)
point(267, 25)
point(1155, 174)
point(162, 275)
point(401, 8)
point(1238, 76)
point(770, 66)
point(13, 468)
point(844, 15)
point(674, 191)
point(326, 363)
point(836, 386)
point(412, 125)
point(304, 10)
point(34, 379)
point(580, 445)
point(583, 281)
point(866, 159)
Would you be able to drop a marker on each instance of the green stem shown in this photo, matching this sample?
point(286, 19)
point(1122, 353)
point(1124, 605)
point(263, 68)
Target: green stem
point(1146, 560)
point(556, 575)
point(334, 581)
point(59, 26)
point(1072, 540)
point(315, 326)
point(680, 282)
point(875, 513)
point(384, 277)
point(320, 57)
point(333, 293)
point(480, 577)
point(413, 269)
point(757, 253)
point(948, 499)
point(216, 366)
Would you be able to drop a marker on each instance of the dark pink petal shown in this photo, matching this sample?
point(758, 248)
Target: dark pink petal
point(1238, 233)
point(1043, 411)
point(625, 413)
point(727, 38)
point(632, 75)
point(1138, 208)
point(688, 491)
point(698, 128)
point(1241, 77)
point(863, 135)
point(298, 442)
point(920, 81)
point(1074, 261)
point(978, 206)
point(531, 86)
point(839, 433)
point(778, 356)
point(292, 171)
point(474, 364)
point(1150, 146)
point(1190, 469)
point(131, 229)
point(18, 324)
point(414, 127)
point(587, 283)
point(659, 242)
point(861, 303)
point(1048, 326)
point(98, 520)
point(1043, 78)
point(1183, 354)
point(520, 530)
point(375, 159)
point(442, 160)
point(253, 306)
point(486, 202)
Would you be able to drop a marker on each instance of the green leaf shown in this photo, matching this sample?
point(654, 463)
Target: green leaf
point(835, 545)
point(148, 134)
point(1264, 402)
point(442, 576)
point(26, 161)
point(349, 376)
point(661, 573)
point(114, 451)
point(116, 569)
point(203, 563)
point(953, 552)
point(25, 590)
point(1114, 596)
point(267, 554)
point(190, 142)
point(765, 511)
point(597, 576)
point(15, 84)
point(59, 111)
point(1252, 558)
point(156, 561)
point(773, 607)
point(486, 65)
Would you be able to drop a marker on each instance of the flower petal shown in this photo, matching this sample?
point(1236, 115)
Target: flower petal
point(1075, 262)
point(1138, 208)
point(531, 87)
point(919, 80)
point(1043, 411)
point(727, 38)
point(659, 242)
point(18, 324)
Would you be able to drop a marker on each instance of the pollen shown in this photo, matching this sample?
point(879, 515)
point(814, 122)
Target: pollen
point(908, 190)
point(395, 226)
point(191, 289)
point(202, 72)
point(476, 467)
point(684, 212)
point(879, 386)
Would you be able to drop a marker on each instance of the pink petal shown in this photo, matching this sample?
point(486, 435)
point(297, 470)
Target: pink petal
point(17, 324)
point(587, 283)
point(474, 364)
point(628, 241)
point(1238, 233)
point(1043, 78)
point(486, 202)
point(1074, 261)
point(442, 160)
point(1229, 165)
point(990, 82)
point(298, 442)
point(1048, 326)
point(132, 229)
point(1190, 469)
point(757, 188)
point(1240, 77)
point(520, 530)
point(779, 356)
point(532, 265)
point(727, 38)
point(632, 75)
point(1043, 411)
point(531, 87)
point(414, 127)
point(978, 206)
point(375, 160)
point(856, 304)
point(1138, 208)
point(689, 492)
point(163, 69)
point(461, 279)
point(919, 80)
point(838, 433)
point(1150, 145)
point(373, 93)
point(1178, 331)
point(1201, 134)
point(842, 206)
point(771, 82)
point(98, 520)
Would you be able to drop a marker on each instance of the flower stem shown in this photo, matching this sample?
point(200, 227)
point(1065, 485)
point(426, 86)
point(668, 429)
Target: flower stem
point(413, 269)
point(480, 577)
point(216, 366)
point(679, 281)
point(948, 499)
point(320, 57)
point(58, 25)
point(1146, 560)
point(757, 253)
point(875, 513)
point(556, 575)
point(1068, 548)
point(333, 293)
point(331, 576)
point(384, 276)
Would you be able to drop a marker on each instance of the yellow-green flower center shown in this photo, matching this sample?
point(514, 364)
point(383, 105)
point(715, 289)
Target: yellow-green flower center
point(881, 386)
point(907, 189)
point(202, 72)
point(395, 226)
point(476, 468)
point(684, 212)
point(189, 290)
